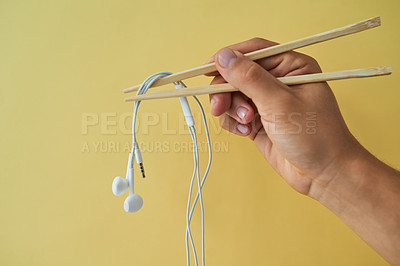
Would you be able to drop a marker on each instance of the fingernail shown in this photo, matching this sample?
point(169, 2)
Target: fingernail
point(226, 57)
point(241, 112)
point(244, 129)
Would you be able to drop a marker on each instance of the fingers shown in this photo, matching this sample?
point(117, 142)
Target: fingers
point(252, 129)
point(250, 46)
point(220, 102)
point(249, 77)
point(292, 64)
point(234, 104)
point(240, 109)
point(233, 126)
point(254, 82)
point(286, 64)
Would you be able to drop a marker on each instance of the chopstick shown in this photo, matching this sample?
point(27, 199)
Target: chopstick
point(270, 51)
point(291, 80)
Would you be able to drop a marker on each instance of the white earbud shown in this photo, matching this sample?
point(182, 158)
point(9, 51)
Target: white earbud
point(119, 186)
point(133, 202)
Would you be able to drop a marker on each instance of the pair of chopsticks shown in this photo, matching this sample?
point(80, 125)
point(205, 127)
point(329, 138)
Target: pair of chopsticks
point(266, 52)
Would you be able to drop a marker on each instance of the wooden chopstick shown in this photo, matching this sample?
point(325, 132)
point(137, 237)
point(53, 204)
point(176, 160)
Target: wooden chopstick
point(266, 52)
point(292, 80)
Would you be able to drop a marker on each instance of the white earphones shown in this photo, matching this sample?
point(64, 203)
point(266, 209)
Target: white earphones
point(133, 202)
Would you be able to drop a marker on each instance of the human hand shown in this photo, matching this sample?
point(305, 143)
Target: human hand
point(298, 129)
point(323, 161)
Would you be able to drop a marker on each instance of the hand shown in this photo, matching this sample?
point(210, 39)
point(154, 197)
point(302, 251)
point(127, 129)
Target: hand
point(301, 133)
point(298, 129)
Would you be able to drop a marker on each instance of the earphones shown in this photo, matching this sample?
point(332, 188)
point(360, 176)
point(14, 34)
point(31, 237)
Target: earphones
point(134, 202)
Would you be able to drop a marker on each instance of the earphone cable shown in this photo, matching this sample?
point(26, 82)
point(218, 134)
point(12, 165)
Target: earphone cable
point(196, 172)
point(188, 232)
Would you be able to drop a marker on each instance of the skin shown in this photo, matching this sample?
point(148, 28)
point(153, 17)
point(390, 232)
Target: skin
point(325, 161)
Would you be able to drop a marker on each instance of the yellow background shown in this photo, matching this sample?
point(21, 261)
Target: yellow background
point(60, 60)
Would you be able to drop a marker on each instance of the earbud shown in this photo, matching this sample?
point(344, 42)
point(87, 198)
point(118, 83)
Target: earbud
point(119, 186)
point(133, 203)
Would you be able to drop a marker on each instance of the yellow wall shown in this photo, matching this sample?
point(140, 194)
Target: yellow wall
point(61, 60)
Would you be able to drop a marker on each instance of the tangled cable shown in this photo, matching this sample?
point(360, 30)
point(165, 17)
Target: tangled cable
point(196, 172)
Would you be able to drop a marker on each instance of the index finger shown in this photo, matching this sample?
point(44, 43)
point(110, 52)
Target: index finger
point(247, 47)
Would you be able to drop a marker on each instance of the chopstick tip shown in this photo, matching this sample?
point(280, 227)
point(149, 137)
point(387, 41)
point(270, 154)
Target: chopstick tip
point(375, 22)
point(378, 20)
point(131, 89)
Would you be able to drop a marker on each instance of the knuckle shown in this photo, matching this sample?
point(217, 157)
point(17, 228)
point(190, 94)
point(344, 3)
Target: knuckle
point(252, 73)
point(298, 58)
point(263, 42)
point(259, 43)
point(257, 40)
point(310, 60)
point(278, 72)
point(226, 122)
point(306, 60)
point(223, 121)
point(314, 66)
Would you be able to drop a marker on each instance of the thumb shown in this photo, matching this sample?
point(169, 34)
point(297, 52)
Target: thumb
point(249, 77)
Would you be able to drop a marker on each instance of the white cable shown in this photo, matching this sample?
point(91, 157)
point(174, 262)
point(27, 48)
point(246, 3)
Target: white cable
point(199, 192)
point(197, 162)
point(200, 185)
point(209, 153)
point(142, 90)
point(196, 172)
point(188, 232)
point(204, 176)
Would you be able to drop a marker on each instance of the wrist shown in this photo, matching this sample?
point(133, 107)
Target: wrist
point(344, 179)
point(364, 193)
